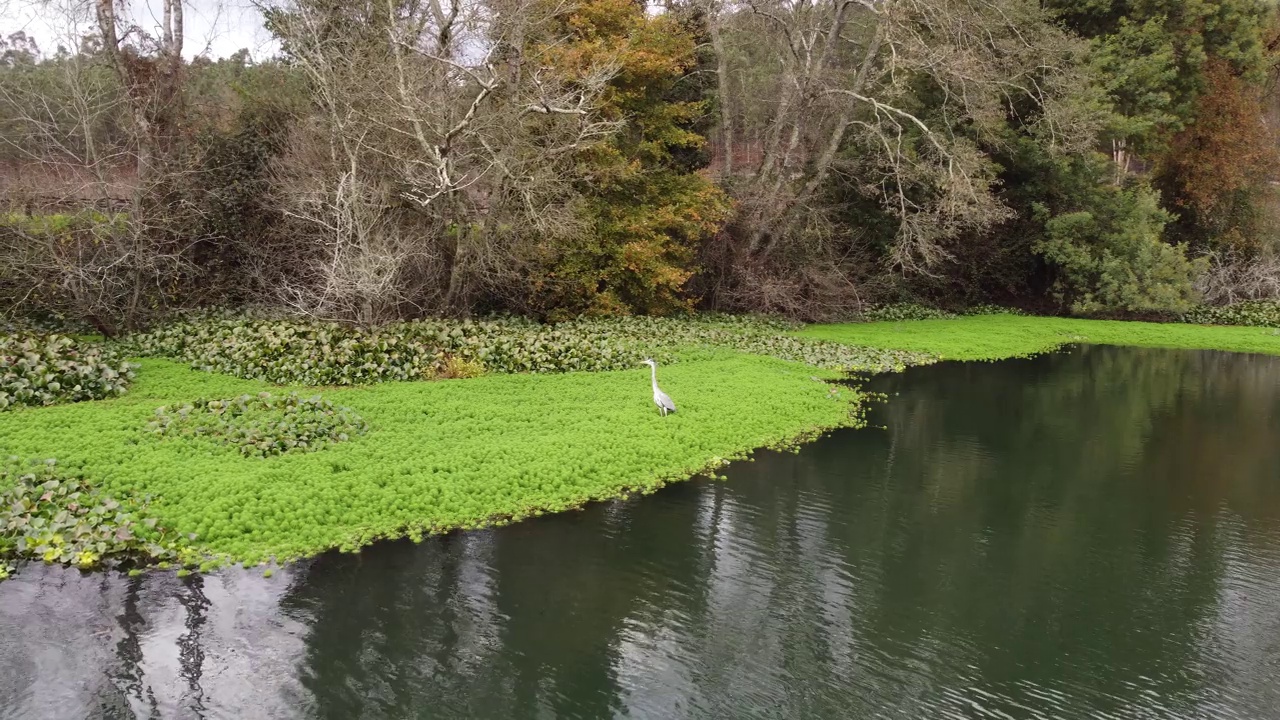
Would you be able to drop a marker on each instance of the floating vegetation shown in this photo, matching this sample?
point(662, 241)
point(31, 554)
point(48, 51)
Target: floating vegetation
point(261, 425)
point(58, 517)
point(898, 312)
point(51, 369)
point(995, 337)
point(315, 353)
point(1253, 313)
point(441, 455)
point(506, 445)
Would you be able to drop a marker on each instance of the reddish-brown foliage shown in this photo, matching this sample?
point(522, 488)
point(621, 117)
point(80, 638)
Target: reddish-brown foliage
point(1227, 148)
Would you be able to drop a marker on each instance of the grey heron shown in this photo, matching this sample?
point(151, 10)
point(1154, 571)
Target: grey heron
point(661, 399)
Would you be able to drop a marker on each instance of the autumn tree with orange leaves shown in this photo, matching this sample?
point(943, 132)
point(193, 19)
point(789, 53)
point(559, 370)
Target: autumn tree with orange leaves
point(649, 207)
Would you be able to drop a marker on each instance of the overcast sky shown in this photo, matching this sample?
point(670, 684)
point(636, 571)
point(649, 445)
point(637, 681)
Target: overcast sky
point(216, 28)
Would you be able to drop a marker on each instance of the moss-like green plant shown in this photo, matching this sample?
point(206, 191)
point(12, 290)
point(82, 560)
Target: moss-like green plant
point(439, 456)
point(49, 369)
point(261, 425)
point(995, 337)
point(59, 517)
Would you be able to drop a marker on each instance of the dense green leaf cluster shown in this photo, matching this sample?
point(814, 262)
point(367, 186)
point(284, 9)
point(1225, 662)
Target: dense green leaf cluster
point(904, 311)
point(989, 309)
point(44, 324)
point(439, 455)
point(315, 353)
point(49, 369)
point(58, 517)
point(1110, 258)
point(261, 425)
point(1252, 313)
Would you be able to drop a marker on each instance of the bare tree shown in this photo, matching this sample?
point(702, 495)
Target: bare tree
point(98, 129)
point(1231, 278)
point(901, 95)
point(150, 71)
point(449, 150)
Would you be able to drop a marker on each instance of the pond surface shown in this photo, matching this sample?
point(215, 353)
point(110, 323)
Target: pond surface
point(1086, 534)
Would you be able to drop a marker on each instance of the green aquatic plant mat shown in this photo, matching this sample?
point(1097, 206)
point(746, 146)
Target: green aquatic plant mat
point(994, 337)
point(438, 455)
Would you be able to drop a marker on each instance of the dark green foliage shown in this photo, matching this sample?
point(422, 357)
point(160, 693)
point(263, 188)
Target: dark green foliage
point(250, 109)
point(1137, 65)
point(312, 353)
point(59, 517)
point(1111, 259)
point(989, 309)
point(900, 312)
point(1186, 80)
point(49, 369)
point(42, 323)
point(1254, 313)
point(261, 425)
point(904, 311)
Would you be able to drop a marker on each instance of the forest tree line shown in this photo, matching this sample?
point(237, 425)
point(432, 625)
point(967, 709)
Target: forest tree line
point(404, 158)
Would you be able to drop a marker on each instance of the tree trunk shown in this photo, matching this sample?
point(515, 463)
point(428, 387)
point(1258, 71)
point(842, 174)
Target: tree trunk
point(722, 88)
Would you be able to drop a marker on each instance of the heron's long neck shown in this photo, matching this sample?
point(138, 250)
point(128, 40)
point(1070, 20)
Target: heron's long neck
point(653, 369)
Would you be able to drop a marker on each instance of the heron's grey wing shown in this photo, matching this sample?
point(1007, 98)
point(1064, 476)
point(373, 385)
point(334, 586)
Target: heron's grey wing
point(665, 401)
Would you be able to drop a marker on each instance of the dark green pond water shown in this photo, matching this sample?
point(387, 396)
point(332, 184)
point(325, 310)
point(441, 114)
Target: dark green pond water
point(1088, 534)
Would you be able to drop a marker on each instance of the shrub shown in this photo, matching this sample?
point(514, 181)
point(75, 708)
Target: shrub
point(1232, 278)
point(1255, 313)
point(106, 270)
point(59, 517)
point(1111, 258)
point(263, 425)
point(50, 369)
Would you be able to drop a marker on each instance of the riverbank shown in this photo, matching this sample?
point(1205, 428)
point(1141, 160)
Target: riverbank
point(997, 337)
point(463, 453)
